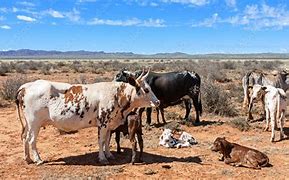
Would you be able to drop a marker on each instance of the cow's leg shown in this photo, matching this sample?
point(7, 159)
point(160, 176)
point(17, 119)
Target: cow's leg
point(188, 105)
point(281, 124)
point(101, 140)
point(149, 115)
point(140, 139)
point(132, 132)
point(26, 146)
point(140, 111)
point(273, 123)
point(267, 119)
point(117, 140)
point(196, 103)
point(158, 113)
point(107, 147)
point(163, 116)
point(32, 136)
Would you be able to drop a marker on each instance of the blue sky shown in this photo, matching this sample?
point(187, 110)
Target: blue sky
point(143, 26)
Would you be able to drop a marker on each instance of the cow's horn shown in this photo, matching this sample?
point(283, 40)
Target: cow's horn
point(146, 75)
point(139, 78)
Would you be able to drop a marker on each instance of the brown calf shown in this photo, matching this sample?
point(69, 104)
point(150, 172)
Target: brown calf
point(237, 155)
point(131, 127)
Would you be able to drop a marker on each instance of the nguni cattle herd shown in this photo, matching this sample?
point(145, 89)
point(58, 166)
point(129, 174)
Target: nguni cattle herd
point(117, 106)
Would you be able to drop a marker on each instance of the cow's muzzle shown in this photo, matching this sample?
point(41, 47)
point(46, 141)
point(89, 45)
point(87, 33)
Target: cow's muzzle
point(155, 103)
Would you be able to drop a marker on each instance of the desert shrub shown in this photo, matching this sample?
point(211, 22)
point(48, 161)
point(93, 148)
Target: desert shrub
point(21, 68)
point(4, 68)
point(77, 67)
point(33, 65)
point(45, 69)
point(158, 67)
point(60, 64)
point(82, 79)
point(217, 101)
point(10, 87)
point(102, 79)
point(229, 65)
point(240, 123)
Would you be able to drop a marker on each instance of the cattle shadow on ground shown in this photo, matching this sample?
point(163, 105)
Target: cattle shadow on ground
point(123, 158)
point(208, 123)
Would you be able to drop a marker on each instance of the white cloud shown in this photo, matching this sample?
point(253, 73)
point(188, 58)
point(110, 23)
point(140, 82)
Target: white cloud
point(192, 2)
point(153, 4)
point(128, 22)
point(5, 27)
point(231, 3)
point(14, 9)
point(25, 3)
point(84, 1)
point(55, 14)
point(254, 17)
point(3, 10)
point(209, 22)
point(73, 15)
point(25, 18)
point(262, 16)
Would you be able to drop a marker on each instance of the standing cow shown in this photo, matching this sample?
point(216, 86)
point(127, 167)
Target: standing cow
point(276, 79)
point(73, 107)
point(171, 89)
point(275, 106)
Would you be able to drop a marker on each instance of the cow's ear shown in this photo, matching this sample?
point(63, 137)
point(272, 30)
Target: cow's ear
point(132, 81)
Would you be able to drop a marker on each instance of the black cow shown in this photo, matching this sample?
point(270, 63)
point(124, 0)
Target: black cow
point(171, 88)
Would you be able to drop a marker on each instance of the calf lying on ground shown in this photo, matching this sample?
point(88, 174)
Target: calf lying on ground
point(237, 155)
point(131, 127)
point(171, 139)
point(275, 106)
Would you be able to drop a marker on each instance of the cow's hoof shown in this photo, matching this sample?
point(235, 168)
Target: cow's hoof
point(40, 162)
point(104, 161)
point(28, 160)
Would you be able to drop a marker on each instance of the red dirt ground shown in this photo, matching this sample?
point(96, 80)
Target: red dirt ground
point(74, 156)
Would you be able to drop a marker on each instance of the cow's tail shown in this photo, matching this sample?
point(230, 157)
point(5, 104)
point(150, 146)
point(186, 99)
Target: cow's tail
point(278, 119)
point(200, 107)
point(17, 102)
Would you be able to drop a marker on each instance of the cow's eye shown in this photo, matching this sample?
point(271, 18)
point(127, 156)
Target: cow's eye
point(146, 90)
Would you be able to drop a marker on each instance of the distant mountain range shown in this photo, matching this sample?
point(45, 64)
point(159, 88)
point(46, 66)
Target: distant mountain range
point(27, 53)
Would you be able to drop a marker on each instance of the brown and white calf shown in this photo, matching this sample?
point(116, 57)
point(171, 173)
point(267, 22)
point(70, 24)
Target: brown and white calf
point(237, 155)
point(275, 106)
point(73, 107)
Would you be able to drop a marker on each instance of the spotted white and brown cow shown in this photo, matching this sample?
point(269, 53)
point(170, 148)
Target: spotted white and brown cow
point(73, 107)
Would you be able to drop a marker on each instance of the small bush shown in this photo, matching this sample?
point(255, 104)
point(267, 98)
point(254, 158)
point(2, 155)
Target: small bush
point(10, 87)
point(77, 67)
point(240, 124)
point(81, 80)
point(45, 69)
point(21, 68)
point(217, 101)
point(229, 65)
point(3, 69)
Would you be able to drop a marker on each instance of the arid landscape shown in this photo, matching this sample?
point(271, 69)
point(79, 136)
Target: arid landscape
point(75, 156)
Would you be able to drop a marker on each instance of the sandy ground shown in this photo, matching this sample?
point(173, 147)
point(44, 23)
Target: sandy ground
point(75, 155)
